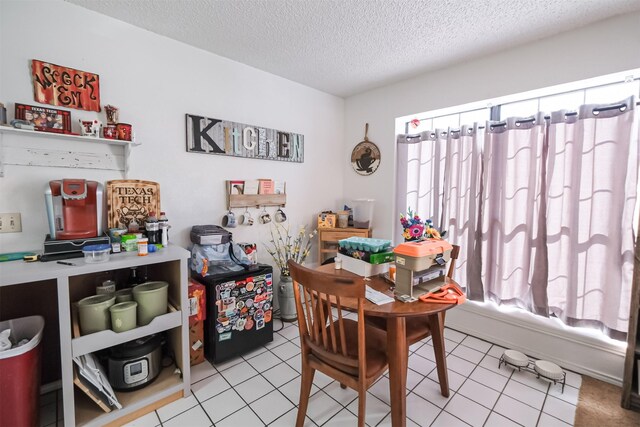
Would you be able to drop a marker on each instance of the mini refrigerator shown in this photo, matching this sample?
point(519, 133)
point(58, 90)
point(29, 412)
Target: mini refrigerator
point(241, 308)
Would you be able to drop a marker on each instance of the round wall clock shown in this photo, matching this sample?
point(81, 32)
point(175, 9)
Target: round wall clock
point(365, 157)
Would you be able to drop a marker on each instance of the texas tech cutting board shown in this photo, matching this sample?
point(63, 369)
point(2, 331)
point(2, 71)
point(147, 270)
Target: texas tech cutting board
point(130, 198)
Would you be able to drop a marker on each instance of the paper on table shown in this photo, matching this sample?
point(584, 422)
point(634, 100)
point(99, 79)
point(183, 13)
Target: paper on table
point(377, 297)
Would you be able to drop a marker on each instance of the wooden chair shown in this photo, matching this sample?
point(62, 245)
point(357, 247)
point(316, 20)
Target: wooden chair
point(418, 327)
point(350, 352)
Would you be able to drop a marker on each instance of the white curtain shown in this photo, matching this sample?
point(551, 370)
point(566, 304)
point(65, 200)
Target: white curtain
point(511, 247)
point(592, 178)
point(543, 209)
point(425, 175)
point(461, 202)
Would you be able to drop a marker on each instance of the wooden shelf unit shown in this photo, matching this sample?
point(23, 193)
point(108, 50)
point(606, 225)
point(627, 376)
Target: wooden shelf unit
point(630, 380)
point(328, 239)
point(75, 282)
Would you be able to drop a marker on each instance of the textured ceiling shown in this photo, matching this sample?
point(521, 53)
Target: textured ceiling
point(344, 47)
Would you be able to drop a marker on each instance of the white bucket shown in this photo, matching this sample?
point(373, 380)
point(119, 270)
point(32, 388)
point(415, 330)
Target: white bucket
point(363, 212)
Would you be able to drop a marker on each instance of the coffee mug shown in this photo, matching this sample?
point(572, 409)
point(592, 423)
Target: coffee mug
point(124, 131)
point(246, 219)
point(280, 215)
point(110, 132)
point(229, 220)
point(265, 218)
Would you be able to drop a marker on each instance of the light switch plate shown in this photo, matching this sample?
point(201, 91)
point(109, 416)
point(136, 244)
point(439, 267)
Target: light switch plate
point(10, 222)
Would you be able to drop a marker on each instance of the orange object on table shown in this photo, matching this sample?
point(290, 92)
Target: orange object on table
point(448, 294)
point(423, 248)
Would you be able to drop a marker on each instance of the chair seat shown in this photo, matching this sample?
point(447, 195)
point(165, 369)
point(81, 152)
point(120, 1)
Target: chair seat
point(417, 327)
point(376, 343)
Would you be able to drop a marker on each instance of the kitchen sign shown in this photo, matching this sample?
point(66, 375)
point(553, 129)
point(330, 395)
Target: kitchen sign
point(215, 136)
point(65, 87)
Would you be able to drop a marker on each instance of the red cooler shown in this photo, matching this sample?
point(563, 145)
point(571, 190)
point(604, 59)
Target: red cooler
point(20, 373)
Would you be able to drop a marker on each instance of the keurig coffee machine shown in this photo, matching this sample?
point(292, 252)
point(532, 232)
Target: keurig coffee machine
point(74, 209)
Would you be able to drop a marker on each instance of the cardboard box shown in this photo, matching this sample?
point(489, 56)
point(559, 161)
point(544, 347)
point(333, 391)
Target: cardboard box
point(362, 268)
point(197, 302)
point(196, 343)
point(327, 220)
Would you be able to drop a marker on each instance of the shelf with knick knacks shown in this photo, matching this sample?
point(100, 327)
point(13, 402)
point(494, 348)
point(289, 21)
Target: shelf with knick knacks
point(40, 149)
point(256, 193)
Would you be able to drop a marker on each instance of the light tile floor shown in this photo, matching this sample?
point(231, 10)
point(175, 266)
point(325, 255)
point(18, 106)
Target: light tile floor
point(261, 388)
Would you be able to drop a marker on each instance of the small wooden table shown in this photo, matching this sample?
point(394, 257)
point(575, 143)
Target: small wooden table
point(332, 235)
point(397, 349)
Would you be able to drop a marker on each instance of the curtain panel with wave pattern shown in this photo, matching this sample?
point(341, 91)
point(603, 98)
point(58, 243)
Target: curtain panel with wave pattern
point(542, 207)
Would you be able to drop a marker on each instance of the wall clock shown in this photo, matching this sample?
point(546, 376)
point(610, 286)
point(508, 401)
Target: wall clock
point(365, 157)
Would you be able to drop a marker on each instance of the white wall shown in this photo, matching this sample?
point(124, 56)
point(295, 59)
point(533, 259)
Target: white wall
point(606, 47)
point(155, 81)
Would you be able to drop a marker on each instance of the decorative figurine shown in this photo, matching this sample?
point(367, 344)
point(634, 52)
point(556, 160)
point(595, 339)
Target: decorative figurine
point(112, 114)
point(90, 127)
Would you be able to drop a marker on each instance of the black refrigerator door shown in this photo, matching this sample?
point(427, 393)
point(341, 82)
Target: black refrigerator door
point(241, 313)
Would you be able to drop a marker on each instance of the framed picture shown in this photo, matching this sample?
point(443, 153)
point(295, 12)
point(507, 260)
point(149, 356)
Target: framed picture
point(45, 119)
point(237, 187)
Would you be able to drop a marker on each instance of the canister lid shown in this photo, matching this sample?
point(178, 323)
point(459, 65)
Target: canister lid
point(423, 248)
point(96, 248)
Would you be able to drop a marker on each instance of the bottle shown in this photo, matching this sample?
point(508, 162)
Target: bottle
point(164, 229)
point(143, 246)
point(152, 227)
point(133, 278)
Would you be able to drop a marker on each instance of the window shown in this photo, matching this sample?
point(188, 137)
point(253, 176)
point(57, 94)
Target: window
point(536, 209)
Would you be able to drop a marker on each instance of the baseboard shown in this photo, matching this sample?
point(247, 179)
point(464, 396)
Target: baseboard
point(573, 349)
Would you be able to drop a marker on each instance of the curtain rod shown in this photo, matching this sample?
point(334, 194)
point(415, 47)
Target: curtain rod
point(569, 114)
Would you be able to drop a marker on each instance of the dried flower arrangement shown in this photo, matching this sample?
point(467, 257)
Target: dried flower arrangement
point(284, 246)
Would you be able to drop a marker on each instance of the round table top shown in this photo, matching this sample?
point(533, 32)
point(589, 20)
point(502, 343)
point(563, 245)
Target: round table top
point(392, 309)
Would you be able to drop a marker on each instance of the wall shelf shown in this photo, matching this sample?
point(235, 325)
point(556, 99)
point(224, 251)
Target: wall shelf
point(37, 154)
point(254, 200)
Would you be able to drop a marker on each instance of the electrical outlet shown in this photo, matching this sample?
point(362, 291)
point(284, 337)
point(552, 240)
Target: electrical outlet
point(10, 222)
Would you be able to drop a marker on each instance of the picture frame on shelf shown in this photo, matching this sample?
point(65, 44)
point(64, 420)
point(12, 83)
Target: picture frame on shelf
point(266, 186)
point(251, 186)
point(45, 119)
point(237, 187)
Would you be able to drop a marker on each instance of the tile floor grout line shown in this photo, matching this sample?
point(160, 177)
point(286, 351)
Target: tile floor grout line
point(202, 407)
point(467, 377)
point(500, 395)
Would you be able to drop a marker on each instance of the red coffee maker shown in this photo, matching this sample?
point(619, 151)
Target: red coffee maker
point(74, 209)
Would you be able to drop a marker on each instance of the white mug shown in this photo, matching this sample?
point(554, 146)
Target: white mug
point(229, 220)
point(246, 219)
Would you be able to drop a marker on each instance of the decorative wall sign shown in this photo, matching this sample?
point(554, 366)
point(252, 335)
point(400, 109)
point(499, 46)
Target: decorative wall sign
point(365, 157)
point(45, 119)
point(65, 87)
point(214, 136)
point(129, 198)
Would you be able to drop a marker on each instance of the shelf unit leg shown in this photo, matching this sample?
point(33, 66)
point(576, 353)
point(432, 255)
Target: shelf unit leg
point(66, 355)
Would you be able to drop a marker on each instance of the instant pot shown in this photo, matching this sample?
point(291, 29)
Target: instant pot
point(135, 364)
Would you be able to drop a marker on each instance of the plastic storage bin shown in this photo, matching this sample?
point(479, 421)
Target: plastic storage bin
point(20, 373)
point(363, 212)
point(94, 254)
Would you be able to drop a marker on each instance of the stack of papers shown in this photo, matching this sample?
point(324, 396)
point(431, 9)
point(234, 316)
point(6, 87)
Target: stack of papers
point(377, 297)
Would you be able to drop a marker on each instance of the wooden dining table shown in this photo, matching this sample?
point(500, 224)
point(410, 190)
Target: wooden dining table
point(396, 314)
